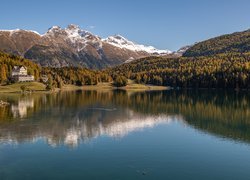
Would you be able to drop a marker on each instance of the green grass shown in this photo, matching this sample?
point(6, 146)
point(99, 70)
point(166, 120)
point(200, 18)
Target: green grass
point(33, 86)
point(36, 86)
point(108, 86)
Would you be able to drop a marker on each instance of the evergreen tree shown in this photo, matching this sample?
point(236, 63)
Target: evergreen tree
point(120, 81)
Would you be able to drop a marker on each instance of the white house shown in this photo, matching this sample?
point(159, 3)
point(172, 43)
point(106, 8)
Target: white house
point(19, 71)
point(19, 74)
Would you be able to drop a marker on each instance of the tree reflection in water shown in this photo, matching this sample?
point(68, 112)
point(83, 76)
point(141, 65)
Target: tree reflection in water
point(73, 117)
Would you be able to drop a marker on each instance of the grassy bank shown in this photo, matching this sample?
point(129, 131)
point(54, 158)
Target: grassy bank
point(39, 87)
point(16, 88)
point(108, 86)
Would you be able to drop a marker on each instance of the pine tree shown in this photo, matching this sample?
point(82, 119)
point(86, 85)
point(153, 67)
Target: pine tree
point(3, 76)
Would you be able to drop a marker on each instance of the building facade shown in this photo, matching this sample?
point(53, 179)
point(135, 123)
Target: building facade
point(19, 74)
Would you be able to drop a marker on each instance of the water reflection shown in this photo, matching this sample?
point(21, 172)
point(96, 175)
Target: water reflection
point(70, 118)
point(82, 131)
point(20, 110)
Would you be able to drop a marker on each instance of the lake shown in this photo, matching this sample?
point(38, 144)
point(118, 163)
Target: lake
point(125, 135)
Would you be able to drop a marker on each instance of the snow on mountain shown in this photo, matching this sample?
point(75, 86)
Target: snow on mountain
point(80, 38)
point(73, 46)
point(77, 37)
point(74, 33)
point(19, 30)
point(53, 30)
point(122, 42)
point(184, 49)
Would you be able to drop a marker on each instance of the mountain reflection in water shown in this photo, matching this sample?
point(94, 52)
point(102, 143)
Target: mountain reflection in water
point(70, 118)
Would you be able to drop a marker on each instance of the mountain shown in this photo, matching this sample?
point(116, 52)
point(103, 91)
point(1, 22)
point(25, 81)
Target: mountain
point(179, 52)
point(238, 42)
point(72, 46)
point(123, 43)
point(228, 70)
point(17, 41)
point(183, 49)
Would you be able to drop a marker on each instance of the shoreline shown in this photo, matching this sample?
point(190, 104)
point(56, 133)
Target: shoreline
point(106, 86)
point(36, 87)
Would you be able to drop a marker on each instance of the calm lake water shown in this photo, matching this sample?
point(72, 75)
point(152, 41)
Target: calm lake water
point(125, 135)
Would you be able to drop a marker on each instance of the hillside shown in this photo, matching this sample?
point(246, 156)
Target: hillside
point(7, 62)
point(57, 76)
point(238, 42)
point(219, 71)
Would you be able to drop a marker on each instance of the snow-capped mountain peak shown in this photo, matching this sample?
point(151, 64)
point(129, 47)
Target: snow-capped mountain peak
point(74, 33)
point(119, 37)
point(72, 45)
point(73, 26)
point(53, 29)
point(123, 43)
point(20, 30)
point(80, 38)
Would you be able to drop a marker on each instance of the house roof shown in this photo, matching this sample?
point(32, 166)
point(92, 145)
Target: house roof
point(17, 68)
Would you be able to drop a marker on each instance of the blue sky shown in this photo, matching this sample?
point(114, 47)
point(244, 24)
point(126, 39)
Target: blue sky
point(164, 24)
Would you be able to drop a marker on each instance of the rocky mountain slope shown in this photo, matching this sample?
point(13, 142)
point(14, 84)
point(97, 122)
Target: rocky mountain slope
point(17, 41)
point(72, 46)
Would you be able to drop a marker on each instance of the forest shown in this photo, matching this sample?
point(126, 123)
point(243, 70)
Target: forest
point(57, 77)
point(238, 42)
point(226, 70)
point(7, 62)
point(230, 70)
